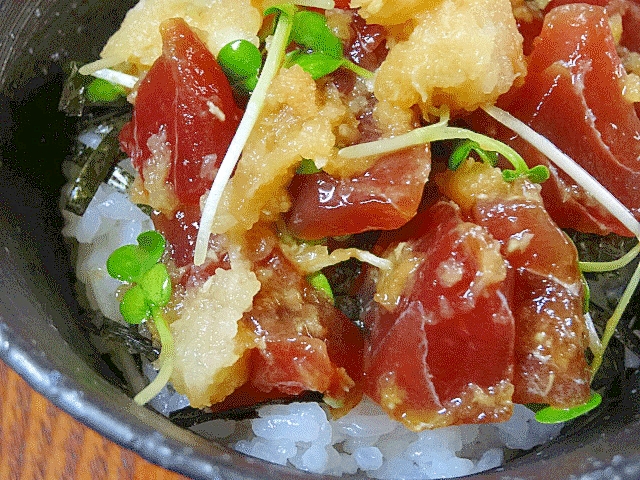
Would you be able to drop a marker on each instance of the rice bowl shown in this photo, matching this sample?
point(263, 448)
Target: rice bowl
point(199, 466)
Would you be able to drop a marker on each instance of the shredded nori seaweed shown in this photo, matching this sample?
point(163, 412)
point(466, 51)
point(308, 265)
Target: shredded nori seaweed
point(74, 102)
point(130, 336)
point(120, 179)
point(606, 288)
point(95, 167)
point(189, 416)
point(105, 117)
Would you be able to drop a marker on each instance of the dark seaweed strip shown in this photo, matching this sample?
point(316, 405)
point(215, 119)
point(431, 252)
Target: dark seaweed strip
point(606, 288)
point(124, 334)
point(120, 179)
point(96, 168)
point(596, 248)
point(343, 277)
point(628, 331)
point(74, 101)
point(189, 416)
point(104, 118)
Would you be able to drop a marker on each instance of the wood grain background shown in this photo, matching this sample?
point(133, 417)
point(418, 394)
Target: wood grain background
point(40, 441)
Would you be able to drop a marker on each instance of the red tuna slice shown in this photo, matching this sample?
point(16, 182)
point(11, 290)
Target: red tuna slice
point(306, 344)
point(366, 46)
point(342, 4)
point(548, 299)
point(385, 197)
point(180, 229)
point(444, 354)
point(529, 29)
point(572, 95)
point(629, 10)
point(186, 98)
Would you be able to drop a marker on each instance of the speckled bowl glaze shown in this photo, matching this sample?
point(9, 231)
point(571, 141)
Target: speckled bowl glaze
point(41, 330)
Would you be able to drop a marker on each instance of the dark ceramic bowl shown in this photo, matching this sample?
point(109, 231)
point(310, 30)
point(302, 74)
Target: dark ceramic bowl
point(42, 334)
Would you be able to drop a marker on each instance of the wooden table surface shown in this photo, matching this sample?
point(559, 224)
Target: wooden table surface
point(40, 441)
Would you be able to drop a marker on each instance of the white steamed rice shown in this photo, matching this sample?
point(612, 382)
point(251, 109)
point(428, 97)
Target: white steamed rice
point(302, 435)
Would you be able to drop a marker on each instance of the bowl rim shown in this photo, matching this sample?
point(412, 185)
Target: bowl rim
point(52, 368)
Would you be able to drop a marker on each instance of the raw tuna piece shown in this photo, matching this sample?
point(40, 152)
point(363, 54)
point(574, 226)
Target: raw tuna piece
point(305, 343)
point(440, 350)
point(186, 99)
point(573, 96)
point(548, 300)
point(548, 296)
point(384, 197)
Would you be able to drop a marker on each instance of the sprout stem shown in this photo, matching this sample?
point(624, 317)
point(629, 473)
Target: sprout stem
point(323, 4)
point(441, 131)
point(357, 69)
point(613, 264)
point(116, 77)
point(166, 360)
point(612, 323)
point(272, 63)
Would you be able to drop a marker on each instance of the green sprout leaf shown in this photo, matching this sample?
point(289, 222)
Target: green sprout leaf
point(538, 174)
point(128, 263)
point(320, 282)
point(559, 415)
point(509, 175)
point(153, 243)
point(310, 30)
point(156, 285)
point(307, 167)
point(465, 148)
point(316, 64)
point(320, 51)
point(241, 61)
point(319, 64)
point(138, 264)
point(459, 155)
point(134, 306)
point(100, 90)
point(240, 57)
